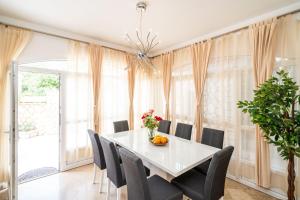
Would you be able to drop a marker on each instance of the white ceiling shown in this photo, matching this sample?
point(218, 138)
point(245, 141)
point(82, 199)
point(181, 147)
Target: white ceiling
point(175, 21)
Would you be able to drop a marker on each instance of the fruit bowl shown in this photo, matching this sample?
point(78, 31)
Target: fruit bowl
point(159, 144)
point(159, 140)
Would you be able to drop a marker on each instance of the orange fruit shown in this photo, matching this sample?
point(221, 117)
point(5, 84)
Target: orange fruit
point(156, 140)
point(163, 140)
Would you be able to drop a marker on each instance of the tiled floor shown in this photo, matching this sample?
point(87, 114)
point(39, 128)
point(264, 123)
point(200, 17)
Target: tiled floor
point(77, 185)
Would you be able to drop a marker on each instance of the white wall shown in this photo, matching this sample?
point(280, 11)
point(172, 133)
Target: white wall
point(44, 48)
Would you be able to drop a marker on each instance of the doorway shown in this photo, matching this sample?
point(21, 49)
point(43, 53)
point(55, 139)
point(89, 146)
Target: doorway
point(38, 125)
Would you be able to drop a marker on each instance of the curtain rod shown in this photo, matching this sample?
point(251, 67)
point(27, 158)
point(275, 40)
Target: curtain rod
point(59, 36)
point(233, 31)
point(242, 28)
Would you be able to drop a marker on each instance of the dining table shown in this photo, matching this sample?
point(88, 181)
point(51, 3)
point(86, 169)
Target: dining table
point(171, 160)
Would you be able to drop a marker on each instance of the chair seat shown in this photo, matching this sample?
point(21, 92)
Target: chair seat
point(191, 184)
point(123, 182)
point(160, 189)
point(203, 167)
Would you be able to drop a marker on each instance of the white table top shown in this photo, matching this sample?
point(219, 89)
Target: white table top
point(177, 157)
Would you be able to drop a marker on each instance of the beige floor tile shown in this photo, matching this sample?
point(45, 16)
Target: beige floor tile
point(77, 184)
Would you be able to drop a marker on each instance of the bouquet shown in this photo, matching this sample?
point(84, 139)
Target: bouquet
point(151, 121)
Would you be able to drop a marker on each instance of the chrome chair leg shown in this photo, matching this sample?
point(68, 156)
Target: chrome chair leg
point(101, 180)
point(95, 173)
point(118, 193)
point(108, 189)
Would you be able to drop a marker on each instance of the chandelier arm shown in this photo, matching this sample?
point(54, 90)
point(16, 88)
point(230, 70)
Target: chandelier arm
point(141, 42)
point(149, 63)
point(150, 46)
point(131, 41)
point(148, 43)
point(140, 63)
point(155, 45)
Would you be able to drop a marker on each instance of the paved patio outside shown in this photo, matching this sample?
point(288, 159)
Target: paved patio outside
point(37, 152)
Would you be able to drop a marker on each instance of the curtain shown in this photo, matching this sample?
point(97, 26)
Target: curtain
point(287, 57)
point(77, 104)
point(229, 80)
point(200, 56)
point(148, 91)
point(262, 45)
point(12, 42)
point(131, 69)
point(114, 89)
point(167, 62)
point(95, 58)
point(182, 95)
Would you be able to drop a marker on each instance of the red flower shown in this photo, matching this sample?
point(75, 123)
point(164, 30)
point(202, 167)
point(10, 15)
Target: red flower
point(145, 115)
point(158, 118)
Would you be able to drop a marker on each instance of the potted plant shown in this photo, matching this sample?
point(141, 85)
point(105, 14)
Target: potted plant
point(275, 109)
point(151, 122)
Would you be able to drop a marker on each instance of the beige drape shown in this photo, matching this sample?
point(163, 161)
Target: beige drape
point(95, 58)
point(200, 56)
point(167, 62)
point(12, 42)
point(262, 44)
point(114, 89)
point(287, 57)
point(131, 64)
point(77, 103)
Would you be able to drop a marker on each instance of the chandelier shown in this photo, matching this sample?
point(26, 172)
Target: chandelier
point(144, 42)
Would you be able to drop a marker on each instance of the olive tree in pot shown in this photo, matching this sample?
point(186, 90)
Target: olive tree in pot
point(275, 109)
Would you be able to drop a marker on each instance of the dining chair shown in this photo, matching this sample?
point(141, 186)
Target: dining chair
point(164, 126)
point(141, 188)
point(211, 137)
point(115, 170)
point(120, 126)
point(184, 131)
point(99, 160)
point(198, 186)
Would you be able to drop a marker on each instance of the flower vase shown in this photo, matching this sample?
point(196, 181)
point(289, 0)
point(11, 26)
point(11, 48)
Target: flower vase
point(150, 133)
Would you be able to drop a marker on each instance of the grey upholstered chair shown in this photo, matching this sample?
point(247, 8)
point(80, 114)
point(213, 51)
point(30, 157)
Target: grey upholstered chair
point(214, 138)
point(164, 126)
point(139, 188)
point(115, 170)
point(184, 131)
point(99, 160)
point(199, 186)
point(120, 126)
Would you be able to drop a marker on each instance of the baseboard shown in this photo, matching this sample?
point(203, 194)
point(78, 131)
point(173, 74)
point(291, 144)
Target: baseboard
point(254, 186)
point(77, 164)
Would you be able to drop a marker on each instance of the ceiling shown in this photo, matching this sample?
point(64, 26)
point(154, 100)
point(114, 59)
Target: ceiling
point(175, 21)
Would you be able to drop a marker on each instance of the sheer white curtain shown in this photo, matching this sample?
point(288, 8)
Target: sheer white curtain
point(77, 104)
point(114, 95)
point(148, 92)
point(142, 95)
point(182, 96)
point(229, 79)
point(287, 58)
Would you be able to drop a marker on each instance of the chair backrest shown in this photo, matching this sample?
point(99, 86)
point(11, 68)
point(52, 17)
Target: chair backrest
point(216, 175)
point(184, 131)
point(120, 126)
point(137, 184)
point(113, 166)
point(212, 137)
point(164, 126)
point(99, 159)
